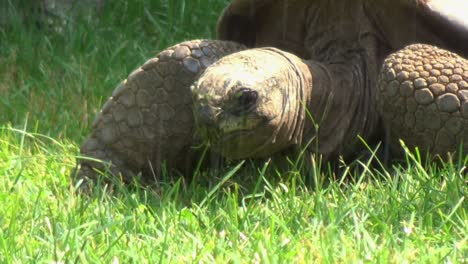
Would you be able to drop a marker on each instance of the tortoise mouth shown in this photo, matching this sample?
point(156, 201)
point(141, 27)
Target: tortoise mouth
point(236, 144)
point(244, 143)
point(235, 135)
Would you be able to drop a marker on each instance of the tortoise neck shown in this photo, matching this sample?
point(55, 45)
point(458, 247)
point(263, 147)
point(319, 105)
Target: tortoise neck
point(297, 90)
point(300, 85)
point(320, 90)
point(341, 105)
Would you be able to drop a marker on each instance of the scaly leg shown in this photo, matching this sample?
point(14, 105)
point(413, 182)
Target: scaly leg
point(148, 120)
point(423, 99)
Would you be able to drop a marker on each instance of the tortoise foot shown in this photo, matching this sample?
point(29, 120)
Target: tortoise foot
point(423, 99)
point(147, 123)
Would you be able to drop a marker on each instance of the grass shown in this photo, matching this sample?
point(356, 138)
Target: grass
point(52, 83)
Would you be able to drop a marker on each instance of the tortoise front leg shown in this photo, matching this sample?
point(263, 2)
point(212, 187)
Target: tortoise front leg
point(148, 119)
point(423, 99)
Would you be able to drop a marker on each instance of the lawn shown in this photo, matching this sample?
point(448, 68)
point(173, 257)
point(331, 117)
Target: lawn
point(54, 80)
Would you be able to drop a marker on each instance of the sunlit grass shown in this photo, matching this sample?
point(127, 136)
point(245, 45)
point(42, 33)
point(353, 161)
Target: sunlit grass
point(52, 83)
point(411, 215)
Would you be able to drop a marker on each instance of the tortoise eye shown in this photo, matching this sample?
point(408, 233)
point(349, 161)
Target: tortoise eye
point(246, 100)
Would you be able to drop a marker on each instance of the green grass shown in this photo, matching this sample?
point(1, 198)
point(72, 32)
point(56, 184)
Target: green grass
point(52, 84)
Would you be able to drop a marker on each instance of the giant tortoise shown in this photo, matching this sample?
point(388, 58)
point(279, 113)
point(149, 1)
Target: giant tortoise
point(285, 74)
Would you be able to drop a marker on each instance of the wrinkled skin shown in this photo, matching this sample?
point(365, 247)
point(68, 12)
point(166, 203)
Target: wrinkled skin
point(352, 96)
point(421, 97)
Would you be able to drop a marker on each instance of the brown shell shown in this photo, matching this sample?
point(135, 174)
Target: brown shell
point(294, 25)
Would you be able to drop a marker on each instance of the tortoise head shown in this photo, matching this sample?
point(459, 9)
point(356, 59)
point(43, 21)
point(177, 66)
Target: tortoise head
point(251, 103)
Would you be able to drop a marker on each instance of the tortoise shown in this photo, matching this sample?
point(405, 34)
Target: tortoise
point(284, 74)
